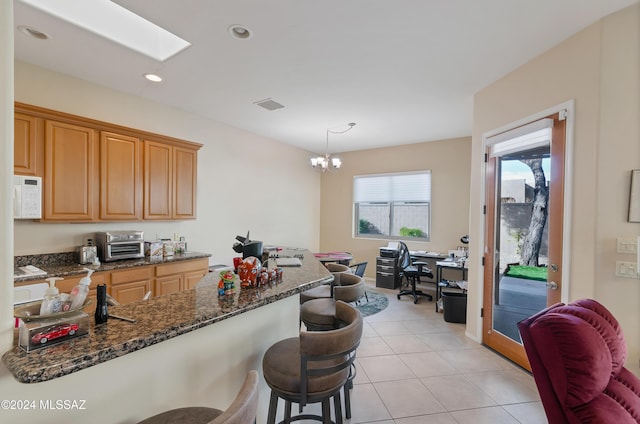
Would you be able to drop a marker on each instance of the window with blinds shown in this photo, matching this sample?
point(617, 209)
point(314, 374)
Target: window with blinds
point(392, 206)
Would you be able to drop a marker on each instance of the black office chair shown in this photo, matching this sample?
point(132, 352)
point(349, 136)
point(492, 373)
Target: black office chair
point(411, 271)
point(359, 268)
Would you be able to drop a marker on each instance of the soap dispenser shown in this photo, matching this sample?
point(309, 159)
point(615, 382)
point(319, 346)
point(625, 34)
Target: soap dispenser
point(79, 293)
point(51, 302)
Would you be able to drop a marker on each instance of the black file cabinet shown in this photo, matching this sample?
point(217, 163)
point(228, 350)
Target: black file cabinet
point(387, 273)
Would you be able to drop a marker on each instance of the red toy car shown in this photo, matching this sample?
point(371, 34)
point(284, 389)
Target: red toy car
point(54, 333)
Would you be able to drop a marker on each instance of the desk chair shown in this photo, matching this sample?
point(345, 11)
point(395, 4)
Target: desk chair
point(242, 410)
point(411, 271)
point(359, 268)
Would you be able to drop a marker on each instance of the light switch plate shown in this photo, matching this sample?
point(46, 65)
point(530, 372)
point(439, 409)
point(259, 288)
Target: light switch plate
point(627, 269)
point(627, 245)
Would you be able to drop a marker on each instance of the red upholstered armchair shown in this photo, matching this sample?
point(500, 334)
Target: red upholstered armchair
point(577, 354)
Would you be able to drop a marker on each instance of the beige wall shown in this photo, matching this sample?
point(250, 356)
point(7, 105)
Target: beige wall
point(449, 162)
point(599, 69)
point(281, 206)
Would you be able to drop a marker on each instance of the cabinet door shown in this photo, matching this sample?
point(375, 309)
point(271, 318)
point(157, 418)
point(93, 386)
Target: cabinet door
point(184, 194)
point(192, 278)
point(120, 177)
point(158, 180)
point(130, 292)
point(70, 189)
point(66, 285)
point(131, 285)
point(168, 285)
point(28, 146)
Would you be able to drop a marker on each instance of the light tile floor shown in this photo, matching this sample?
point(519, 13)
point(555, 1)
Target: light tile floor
point(415, 368)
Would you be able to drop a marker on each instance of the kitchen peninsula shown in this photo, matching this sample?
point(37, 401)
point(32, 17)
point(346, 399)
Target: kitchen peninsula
point(141, 365)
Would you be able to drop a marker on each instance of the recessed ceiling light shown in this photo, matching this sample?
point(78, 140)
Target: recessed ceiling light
point(113, 22)
point(32, 32)
point(240, 32)
point(153, 77)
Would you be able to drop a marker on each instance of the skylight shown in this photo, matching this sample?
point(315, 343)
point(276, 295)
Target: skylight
point(114, 22)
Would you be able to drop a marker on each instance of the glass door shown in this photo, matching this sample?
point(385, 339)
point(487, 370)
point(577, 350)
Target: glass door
point(523, 251)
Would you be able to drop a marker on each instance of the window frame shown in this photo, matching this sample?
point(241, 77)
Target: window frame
point(392, 206)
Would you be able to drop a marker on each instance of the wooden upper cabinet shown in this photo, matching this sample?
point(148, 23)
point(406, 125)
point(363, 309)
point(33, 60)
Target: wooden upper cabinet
point(158, 180)
point(28, 146)
point(185, 175)
point(70, 181)
point(169, 181)
point(97, 171)
point(120, 177)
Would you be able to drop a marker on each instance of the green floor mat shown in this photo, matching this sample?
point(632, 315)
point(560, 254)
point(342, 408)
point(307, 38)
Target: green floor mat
point(528, 272)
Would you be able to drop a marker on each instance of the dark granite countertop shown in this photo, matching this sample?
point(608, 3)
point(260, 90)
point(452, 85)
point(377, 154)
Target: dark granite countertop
point(65, 265)
point(160, 319)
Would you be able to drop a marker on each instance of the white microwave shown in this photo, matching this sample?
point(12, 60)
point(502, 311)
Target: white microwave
point(27, 197)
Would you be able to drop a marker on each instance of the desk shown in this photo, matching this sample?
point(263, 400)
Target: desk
point(449, 265)
point(340, 257)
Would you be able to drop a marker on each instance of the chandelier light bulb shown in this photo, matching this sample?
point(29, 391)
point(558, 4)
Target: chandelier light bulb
point(328, 163)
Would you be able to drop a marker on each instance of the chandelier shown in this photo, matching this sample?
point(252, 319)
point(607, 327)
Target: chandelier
point(326, 162)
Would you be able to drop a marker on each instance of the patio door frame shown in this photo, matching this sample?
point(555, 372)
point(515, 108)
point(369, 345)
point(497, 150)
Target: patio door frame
point(518, 356)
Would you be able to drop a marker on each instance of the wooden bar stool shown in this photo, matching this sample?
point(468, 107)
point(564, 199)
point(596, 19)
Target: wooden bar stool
point(242, 410)
point(325, 290)
point(313, 367)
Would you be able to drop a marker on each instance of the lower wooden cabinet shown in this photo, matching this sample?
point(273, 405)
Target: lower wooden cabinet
point(192, 278)
point(168, 285)
point(68, 283)
point(131, 285)
point(175, 277)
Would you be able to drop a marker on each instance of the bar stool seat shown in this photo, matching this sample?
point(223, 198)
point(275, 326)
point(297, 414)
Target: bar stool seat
point(321, 292)
point(313, 368)
point(242, 410)
point(319, 314)
point(325, 290)
point(196, 414)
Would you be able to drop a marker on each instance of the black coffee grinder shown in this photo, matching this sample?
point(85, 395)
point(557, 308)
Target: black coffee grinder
point(248, 247)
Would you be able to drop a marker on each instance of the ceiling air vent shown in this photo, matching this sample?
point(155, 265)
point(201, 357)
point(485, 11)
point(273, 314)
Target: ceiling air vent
point(269, 104)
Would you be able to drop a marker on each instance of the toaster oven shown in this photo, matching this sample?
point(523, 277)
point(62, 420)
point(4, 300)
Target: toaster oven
point(116, 245)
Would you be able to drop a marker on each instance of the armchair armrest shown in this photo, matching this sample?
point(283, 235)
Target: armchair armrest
point(423, 268)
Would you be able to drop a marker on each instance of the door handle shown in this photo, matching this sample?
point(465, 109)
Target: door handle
point(552, 285)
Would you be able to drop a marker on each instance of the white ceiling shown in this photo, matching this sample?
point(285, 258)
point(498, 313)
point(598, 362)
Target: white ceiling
point(404, 70)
